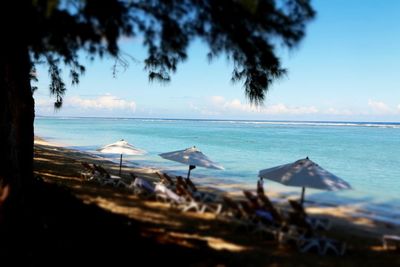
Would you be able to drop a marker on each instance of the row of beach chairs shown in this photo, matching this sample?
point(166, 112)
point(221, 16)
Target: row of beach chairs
point(255, 213)
point(293, 227)
point(181, 194)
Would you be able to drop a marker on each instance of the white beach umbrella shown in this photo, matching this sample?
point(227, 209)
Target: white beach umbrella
point(121, 147)
point(304, 173)
point(192, 157)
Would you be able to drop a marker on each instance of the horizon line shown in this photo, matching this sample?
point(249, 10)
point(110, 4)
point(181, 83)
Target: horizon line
point(202, 119)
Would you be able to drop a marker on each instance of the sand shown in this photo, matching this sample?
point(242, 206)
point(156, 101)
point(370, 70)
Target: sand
point(213, 234)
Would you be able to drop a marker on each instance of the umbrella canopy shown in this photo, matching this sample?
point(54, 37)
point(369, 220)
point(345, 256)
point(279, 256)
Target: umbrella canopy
point(123, 148)
point(192, 157)
point(304, 173)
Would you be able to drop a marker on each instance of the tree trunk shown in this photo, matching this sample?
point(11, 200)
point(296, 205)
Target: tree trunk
point(16, 125)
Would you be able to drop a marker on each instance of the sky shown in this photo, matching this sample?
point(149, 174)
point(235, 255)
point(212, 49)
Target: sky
point(345, 69)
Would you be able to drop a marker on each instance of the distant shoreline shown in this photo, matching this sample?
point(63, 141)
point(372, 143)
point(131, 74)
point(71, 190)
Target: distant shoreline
point(296, 122)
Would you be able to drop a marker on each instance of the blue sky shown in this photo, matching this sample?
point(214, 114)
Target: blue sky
point(346, 68)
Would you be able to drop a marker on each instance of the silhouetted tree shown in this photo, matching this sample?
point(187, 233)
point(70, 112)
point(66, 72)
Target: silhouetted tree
point(54, 31)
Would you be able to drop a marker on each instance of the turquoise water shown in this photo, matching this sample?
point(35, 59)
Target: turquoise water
point(364, 154)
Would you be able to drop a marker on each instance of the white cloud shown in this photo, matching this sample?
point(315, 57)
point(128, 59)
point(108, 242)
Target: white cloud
point(220, 105)
point(398, 107)
point(202, 110)
point(283, 109)
point(334, 111)
point(104, 102)
point(379, 107)
point(44, 103)
point(217, 100)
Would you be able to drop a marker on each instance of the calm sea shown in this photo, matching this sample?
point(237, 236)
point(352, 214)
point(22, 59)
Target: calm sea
point(364, 154)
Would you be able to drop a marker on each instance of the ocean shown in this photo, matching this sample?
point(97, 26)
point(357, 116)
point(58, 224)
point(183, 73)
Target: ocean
point(366, 155)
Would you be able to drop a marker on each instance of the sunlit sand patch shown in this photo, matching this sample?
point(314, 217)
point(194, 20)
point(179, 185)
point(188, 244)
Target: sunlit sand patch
point(47, 175)
point(43, 159)
point(377, 248)
point(213, 242)
point(138, 213)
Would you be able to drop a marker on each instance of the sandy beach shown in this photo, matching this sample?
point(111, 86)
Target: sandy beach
point(208, 234)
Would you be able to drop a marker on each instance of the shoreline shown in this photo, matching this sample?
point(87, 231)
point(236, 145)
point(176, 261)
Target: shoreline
point(344, 215)
point(224, 120)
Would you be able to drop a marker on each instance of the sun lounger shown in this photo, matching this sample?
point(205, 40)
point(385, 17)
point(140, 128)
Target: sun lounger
point(235, 212)
point(259, 210)
point(267, 205)
point(142, 183)
point(212, 207)
point(103, 177)
point(309, 242)
point(198, 195)
point(91, 173)
point(191, 185)
point(88, 171)
point(300, 214)
point(333, 247)
point(181, 182)
point(141, 187)
point(165, 179)
point(391, 241)
point(165, 194)
point(322, 246)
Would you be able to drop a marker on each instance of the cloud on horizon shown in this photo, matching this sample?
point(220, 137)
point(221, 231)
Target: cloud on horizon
point(220, 105)
point(108, 102)
point(379, 107)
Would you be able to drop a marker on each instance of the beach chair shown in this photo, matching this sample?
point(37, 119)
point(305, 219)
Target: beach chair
point(235, 212)
point(260, 221)
point(212, 207)
point(391, 241)
point(180, 182)
point(165, 194)
point(141, 187)
point(300, 214)
point(261, 217)
point(309, 242)
point(198, 195)
point(266, 203)
point(259, 211)
point(321, 245)
point(332, 246)
point(98, 174)
point(232, 208)
point(165, 179)
point(290, 226)
point(244, 217)
point(105, 178)
point(142, 183)
point(191, 185)
point(88, 173)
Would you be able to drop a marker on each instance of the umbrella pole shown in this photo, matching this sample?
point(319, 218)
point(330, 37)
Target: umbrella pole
point(120, 164)
point(191, 167)
point(302, 196)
